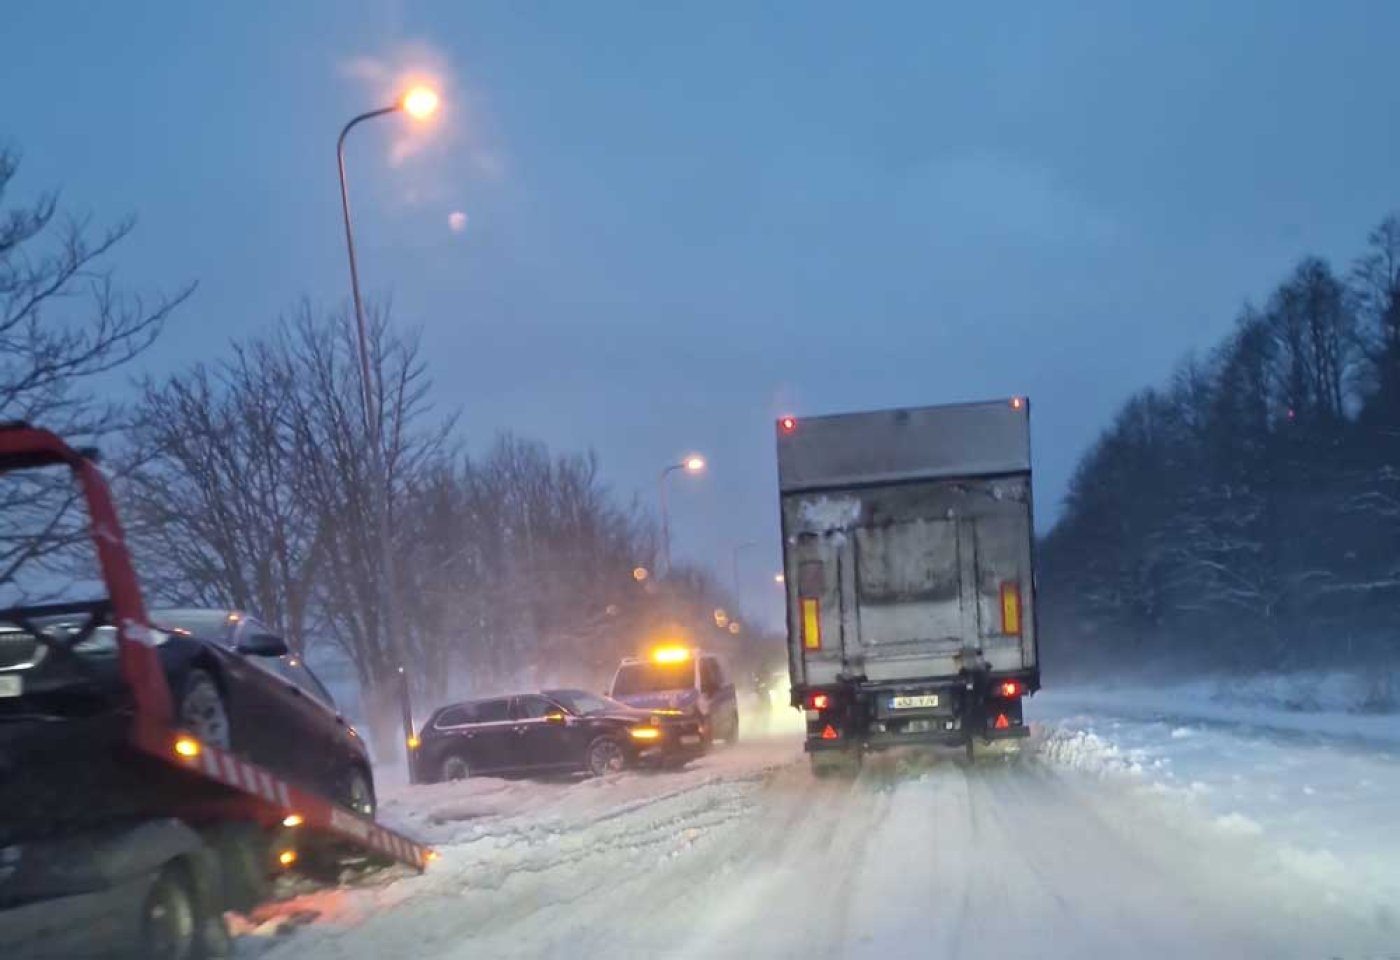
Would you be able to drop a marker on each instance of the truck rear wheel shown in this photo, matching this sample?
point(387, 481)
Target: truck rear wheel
point(836, 764)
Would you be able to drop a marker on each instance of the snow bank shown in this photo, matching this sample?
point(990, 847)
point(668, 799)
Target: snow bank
point(1316, 790)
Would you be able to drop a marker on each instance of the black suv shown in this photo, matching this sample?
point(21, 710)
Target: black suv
point(555, 730)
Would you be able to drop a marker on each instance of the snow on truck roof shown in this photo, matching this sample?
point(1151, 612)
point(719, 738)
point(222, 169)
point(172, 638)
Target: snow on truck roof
point(910, 443)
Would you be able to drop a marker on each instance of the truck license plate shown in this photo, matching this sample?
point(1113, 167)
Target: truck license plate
point(914, 703)
point(11, 686)
point(690, 739)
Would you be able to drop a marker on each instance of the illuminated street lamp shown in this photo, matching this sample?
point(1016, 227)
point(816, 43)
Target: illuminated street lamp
point(419, 103)
point(694, 463)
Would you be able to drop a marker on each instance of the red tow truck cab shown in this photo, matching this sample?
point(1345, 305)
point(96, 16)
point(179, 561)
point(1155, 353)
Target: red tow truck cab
point(119, 831)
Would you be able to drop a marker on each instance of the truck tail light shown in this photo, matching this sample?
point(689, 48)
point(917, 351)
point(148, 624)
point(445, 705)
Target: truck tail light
point(811, 623)
point(816, 700)
point(830, 733)
point(1010, 688)
point(1002, 722)
point(1011, 608)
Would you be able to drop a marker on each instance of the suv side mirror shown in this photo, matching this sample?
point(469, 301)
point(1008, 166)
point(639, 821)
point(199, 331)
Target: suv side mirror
point(263, 645)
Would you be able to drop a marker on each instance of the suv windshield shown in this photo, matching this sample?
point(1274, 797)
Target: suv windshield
point(653, 678)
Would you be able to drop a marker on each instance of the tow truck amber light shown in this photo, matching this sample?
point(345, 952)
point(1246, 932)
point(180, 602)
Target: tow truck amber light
point(644, 733)
point(287, 857)
point(1011, 608)
point(830, 733)
point(818, 701)
point(670, 655)
point(811, 623)
point(188, 747)
point(414, 743)
point(293, 820)
point(1010, 688)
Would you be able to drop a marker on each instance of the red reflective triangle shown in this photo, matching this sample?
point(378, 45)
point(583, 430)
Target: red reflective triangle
point(830, 733)
point(1002, 723)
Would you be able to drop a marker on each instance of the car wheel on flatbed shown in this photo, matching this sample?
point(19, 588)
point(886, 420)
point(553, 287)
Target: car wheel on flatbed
point(359, 792)
point(201, 710)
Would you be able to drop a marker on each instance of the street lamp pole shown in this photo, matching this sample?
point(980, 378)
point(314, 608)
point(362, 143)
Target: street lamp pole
point(691, 464)
point(420, 103)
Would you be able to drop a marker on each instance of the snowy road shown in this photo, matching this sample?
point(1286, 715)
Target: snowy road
point(1091, 844)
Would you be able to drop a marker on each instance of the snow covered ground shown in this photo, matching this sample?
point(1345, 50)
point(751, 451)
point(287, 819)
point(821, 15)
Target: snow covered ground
point(1124, 829)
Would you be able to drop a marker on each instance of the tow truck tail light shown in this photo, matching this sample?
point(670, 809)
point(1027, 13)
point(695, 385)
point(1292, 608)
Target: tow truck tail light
point(811, 623)
point(830, 733)
point(1010, 688)
point(1011, 608)
point(1002, 722)
point(816, 700)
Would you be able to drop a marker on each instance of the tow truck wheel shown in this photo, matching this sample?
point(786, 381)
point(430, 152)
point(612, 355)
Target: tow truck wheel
point(605, 756)
point(455, 767)
point(169, 922)
point(202, 711)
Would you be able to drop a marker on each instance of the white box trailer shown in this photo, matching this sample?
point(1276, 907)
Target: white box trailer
point(908, 559)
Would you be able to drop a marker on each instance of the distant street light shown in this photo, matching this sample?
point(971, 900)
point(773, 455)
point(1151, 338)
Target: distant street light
point(691, 464)
point(419, 103)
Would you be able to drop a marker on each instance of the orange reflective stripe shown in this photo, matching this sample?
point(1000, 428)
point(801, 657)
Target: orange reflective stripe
point(811, 623)
point(1011, 608)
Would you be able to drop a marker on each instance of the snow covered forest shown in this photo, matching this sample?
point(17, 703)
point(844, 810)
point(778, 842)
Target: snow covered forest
point(1247, 513)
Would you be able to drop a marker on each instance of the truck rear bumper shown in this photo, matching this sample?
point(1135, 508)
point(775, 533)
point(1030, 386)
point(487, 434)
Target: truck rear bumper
point(889, 741)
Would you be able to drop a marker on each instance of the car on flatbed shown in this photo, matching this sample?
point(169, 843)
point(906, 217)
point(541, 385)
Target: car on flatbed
point(234, 683)
point(549, 731)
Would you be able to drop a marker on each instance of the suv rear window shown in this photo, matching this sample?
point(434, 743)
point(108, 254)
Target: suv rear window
point(636, 678)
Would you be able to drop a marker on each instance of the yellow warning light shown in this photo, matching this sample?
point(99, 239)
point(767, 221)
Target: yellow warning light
point(670, 654)
point(433, 855)
point(640, 573)
point(414, 743)
point(287, 857)
point(293, 820)
point(188, 747)
point(645, 733)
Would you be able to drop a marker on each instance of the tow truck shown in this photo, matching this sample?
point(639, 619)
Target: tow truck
point(122, 835)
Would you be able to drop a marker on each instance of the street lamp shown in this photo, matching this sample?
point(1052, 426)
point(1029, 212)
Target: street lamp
point(691, 464)
point(419, 103)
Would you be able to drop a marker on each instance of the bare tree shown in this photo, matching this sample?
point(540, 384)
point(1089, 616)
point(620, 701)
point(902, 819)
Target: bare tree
point(63, 325)
point(214, 503)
